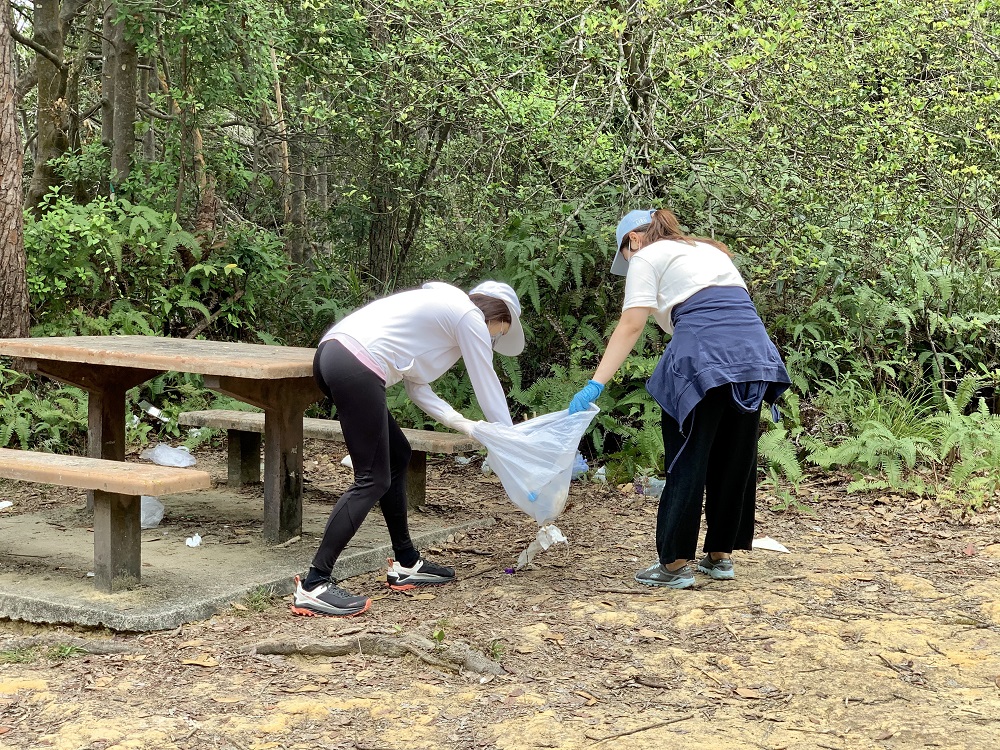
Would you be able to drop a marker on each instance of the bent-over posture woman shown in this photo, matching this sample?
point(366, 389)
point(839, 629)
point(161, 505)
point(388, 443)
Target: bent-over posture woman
point(717, 369)
point(414, 337)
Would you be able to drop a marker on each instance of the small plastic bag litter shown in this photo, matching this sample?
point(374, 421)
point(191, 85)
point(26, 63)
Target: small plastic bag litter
point(534, 459)
point(6, 504)
point(546, 537)
point(346, 461)
point(151, 512)
point(193, 541)
point(164, 455)
point(580, 467)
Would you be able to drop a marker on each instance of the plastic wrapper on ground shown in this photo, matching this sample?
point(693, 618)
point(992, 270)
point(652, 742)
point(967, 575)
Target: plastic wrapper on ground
point(164, 455)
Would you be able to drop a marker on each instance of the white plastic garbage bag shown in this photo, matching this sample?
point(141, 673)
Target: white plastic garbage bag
point(164, 455)
point(534, 459)
point(151, 512)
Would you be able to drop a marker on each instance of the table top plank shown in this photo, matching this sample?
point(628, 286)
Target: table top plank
point(223, 358)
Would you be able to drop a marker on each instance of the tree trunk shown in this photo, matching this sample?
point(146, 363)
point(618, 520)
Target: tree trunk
point(295, 229)
point(52, 114)
point(123, 103)
point(109, 59)
point(149, 85)
point(13, 281)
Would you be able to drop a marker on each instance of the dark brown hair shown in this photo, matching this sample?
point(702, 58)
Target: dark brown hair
point(493, 308)
point(664, 226)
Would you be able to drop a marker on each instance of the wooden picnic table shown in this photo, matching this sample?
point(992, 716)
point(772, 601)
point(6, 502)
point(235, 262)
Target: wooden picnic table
point(277, 379)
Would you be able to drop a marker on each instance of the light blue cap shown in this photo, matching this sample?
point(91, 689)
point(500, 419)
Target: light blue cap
point(631, 221)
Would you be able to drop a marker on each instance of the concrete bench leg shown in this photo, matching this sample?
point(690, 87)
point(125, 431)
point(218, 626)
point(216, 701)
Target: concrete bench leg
point(416, 479)
point(117, 540)
point(244, 458)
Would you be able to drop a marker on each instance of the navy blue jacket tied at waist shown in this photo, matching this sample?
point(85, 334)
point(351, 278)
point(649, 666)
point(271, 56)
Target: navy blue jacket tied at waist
point(718, 339)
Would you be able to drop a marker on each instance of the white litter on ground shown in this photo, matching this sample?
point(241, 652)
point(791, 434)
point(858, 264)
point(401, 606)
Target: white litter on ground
point(768, 543)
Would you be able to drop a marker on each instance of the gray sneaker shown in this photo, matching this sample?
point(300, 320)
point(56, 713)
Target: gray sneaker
point(720, 570)
point(657, 575)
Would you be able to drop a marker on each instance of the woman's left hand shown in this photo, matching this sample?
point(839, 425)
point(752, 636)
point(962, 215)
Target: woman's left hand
point(586, 396)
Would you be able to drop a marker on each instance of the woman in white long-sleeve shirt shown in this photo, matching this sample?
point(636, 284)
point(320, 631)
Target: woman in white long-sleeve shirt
point(414, 337)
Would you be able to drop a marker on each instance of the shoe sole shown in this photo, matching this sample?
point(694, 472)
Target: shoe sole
point(417, 584)
point(718, 575)
point(682, 584)
point(307, 612)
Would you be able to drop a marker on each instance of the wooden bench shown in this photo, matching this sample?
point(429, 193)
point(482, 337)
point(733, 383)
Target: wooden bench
point(117, 489)
point(244, 430)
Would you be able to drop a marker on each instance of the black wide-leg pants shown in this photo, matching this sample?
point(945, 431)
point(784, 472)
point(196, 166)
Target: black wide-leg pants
point(379, 451)
point(719, 463)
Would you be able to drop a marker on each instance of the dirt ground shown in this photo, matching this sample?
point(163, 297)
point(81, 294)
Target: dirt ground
point(880, 629)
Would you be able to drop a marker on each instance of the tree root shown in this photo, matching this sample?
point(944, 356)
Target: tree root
point(455, 657)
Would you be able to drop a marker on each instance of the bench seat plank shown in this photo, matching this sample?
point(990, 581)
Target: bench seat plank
point(117, 488)
point(100, 474)
point(244, 453)
point(326, 429)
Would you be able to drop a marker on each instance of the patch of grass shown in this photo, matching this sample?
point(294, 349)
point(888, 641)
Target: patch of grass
point(259, 600)
point(19, 656)
point(497, 650)
point(63, 651)
point(31, 654)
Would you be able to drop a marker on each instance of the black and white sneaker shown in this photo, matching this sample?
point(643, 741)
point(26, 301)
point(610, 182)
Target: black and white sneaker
point(423, 573)
point(328, 600)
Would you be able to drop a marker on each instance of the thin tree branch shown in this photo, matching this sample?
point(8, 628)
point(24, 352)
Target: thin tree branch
point(43, 51)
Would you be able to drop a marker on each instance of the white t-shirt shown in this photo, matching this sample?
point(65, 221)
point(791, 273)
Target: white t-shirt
point(665, 273)
point(417, 336)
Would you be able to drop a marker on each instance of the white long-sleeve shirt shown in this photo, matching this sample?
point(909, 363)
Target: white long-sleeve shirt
point(417, 336)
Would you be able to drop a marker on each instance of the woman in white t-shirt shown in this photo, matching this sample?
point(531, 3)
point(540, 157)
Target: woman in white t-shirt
point(715, 373)
point(413, 337)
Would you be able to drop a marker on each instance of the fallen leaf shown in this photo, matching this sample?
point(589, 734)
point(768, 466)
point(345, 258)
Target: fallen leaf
point(4, 730)
point(424, 596)
point(191, 644)
point(554, 636)
point(202, 660)
point(970, 551)
point(749, 693)
point(884, 735)
point(226, 699)
point(591, 700)
point(302, 689)
point(240, 607)
point(531, 650)
point(652, 682)
point(647, 633)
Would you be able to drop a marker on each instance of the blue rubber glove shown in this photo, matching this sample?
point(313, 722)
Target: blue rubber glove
point(587, 395)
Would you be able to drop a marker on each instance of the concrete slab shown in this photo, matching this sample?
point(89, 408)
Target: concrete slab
point(45, 557)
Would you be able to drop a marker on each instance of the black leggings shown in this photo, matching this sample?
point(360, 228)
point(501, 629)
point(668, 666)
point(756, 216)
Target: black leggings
point(379, 451)
point(719, 462)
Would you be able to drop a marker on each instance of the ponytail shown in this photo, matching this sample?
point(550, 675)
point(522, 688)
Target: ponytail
point(663, 225)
